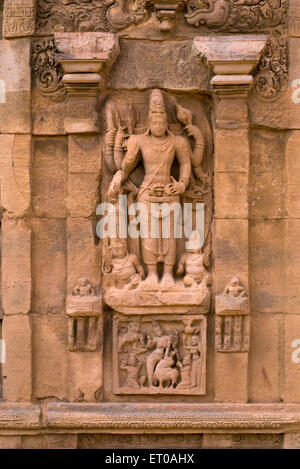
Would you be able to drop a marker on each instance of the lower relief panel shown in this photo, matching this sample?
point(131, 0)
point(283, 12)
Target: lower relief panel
point(161, 354)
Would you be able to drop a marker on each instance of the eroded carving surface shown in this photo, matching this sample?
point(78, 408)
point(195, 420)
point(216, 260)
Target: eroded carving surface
point(83, 310)
point(159, 354)
point(47, 72)
point(232, 320)
point(243, 16)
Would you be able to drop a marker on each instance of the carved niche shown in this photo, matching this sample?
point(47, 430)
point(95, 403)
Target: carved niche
point(170, 168)
point(161, 354)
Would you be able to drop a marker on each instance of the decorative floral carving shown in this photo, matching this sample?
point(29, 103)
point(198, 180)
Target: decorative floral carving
point(243, 16)
point(272, 75)
point(246, 16)
point(236, 15)
point(72, 15)
point(48, 73)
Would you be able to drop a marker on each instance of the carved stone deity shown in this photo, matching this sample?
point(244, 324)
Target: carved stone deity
point(158, 149)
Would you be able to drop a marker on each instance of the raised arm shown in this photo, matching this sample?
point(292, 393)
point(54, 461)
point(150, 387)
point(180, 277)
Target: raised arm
point(183, 154)
point(198, 153)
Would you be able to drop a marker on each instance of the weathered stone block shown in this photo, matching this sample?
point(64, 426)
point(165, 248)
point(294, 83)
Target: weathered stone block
point(49, 266)
point(231, 252)
point(85, 376)
point(264, 358)
point(291, 358)
point(15, 157)
point(50, 356)
point(227, 160)
point(83, 194)
point(83, 252)
point(292, 262)
point(16, 266)
point(231, 195)
point(17, 335)
point(15, 86)
point(84, 154)
point(292, 203)
point(267, 191)
point(266, 260)
point(231, 377)
point(181, 70)
point(231, 114)
point(49, 177)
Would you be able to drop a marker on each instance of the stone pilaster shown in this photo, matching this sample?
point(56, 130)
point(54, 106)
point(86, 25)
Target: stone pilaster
point(232, 60)
point(15, 157)
point(86, 59)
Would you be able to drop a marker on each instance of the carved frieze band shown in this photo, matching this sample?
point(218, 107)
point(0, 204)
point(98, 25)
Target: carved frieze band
point(243, 16)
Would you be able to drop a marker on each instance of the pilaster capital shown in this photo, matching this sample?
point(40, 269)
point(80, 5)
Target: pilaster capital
point(85, 59)
point(232, 60)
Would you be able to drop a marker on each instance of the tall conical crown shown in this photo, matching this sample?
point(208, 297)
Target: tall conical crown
point(157, 104)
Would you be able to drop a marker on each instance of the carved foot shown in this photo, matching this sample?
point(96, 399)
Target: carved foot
point(167, 280)
point(151, 280)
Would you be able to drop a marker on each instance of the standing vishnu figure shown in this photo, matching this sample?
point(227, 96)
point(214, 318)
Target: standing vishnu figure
point(157, 149)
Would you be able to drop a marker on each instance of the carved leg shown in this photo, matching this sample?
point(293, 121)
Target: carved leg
point(150, 365)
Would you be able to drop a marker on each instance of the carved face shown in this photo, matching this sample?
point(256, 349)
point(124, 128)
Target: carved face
point(187, 360)
point(134, 327)
point(195, 340)
point(158, 125)
point(234, 283)
point(119, 251)
point(157, 330)
point(132, 361)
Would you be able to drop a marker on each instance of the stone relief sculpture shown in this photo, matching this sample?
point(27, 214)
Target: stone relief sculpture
point(125, 269)
point(83, 311)
point(159, 354)
point(193, 263)
point(148, 263)
point(232, 321)
point(123, 13)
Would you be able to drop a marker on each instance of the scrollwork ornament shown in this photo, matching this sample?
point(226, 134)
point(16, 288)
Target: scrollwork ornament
point(272, 76)
point(72, 15)
point(47, 72)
